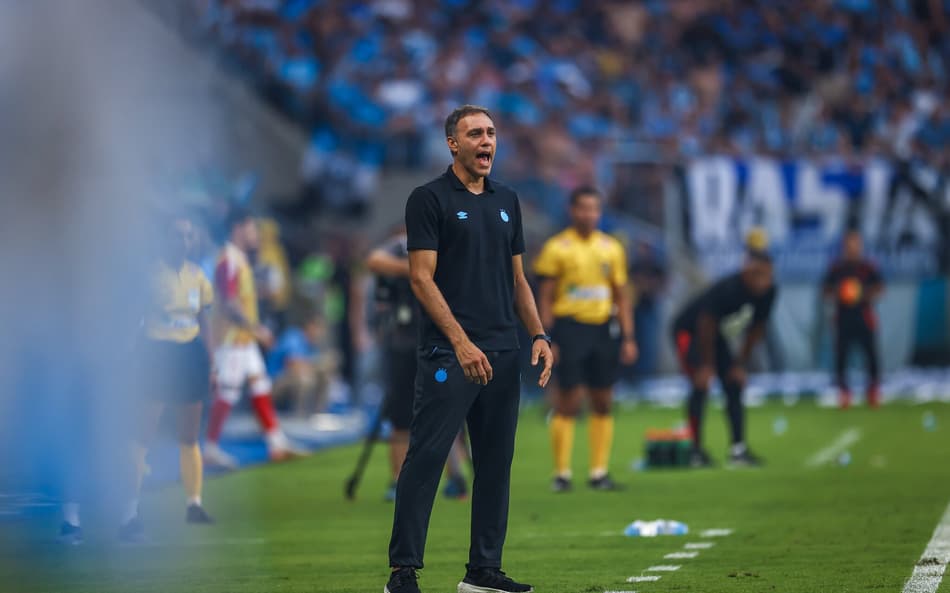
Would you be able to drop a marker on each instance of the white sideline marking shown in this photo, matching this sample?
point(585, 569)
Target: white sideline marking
point(232, 541)
point(620, 592)
point(699, 545)
point(680, 555)
point(837, 447)
point(716, 533)
point(928, 572)
point(644, 579)
point(664, 568)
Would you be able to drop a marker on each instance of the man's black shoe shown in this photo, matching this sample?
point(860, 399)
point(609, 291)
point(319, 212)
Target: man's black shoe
point(604, 483)
point(133, 532)
point(197, 515)
point(403, 580)
point(490, 580)
point(700, 458)
point(745, 459)
point(561, 484)
point(70, 534)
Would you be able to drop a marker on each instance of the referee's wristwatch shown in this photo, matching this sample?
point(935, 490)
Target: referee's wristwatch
point(544, 337)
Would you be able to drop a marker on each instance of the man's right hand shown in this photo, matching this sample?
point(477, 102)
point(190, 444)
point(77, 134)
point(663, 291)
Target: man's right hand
point(264, 336)
point(474, 363)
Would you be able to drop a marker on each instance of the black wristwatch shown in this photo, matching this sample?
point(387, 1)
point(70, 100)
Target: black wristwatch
point(544, 337)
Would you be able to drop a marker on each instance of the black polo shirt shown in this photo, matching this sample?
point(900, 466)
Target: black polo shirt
point(475, 237)
point(731, 304)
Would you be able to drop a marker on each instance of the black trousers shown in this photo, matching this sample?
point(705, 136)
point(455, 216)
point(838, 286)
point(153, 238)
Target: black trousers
point(444, 399)
point(865, 338)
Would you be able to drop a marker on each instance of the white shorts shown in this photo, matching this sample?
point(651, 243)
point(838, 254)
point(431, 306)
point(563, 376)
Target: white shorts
point(235, 366)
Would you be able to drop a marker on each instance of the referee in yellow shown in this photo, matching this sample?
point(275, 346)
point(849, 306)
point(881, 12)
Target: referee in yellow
point(583, 275)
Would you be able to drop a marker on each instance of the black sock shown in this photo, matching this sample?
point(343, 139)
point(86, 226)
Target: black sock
point(735, 411)
point(695, 406)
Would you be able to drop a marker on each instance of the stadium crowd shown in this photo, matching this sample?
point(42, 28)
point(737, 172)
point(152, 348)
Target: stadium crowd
point(816, 78)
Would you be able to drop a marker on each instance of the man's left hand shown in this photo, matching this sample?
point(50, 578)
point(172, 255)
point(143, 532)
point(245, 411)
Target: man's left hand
point(542, 350)
point(629, 351)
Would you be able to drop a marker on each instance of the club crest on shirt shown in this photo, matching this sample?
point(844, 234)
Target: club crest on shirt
point(504, 214)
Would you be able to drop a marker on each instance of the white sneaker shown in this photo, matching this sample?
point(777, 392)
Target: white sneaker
point(215, 456)
point(279, 447)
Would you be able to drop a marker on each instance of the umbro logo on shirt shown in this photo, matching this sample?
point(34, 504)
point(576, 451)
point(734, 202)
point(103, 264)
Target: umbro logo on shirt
point(462, 214)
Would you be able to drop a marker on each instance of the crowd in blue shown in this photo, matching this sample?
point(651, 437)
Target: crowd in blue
point(571, 83)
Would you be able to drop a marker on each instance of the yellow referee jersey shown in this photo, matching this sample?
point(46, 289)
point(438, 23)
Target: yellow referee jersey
point(585, 271)
point(177, 296)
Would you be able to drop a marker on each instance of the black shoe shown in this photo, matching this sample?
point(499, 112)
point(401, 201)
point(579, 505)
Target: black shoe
point(561, 484)
point(604, 483)
point(699, 458)
point(70, 534)
point(402, 580)
point(197, 515)
point(745, 459)
point(490, 580)
point(133, 532)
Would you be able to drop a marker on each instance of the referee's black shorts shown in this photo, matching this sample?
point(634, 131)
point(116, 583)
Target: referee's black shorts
point(400, 366)
point(174, 372)
point(589, 354)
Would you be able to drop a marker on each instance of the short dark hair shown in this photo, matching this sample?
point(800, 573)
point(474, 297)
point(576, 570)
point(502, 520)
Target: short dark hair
point(237, 216)
point(452, 121)
point(584, 190)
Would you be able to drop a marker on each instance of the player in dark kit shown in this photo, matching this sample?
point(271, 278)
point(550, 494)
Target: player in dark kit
point(396, 318)
point(735, 307)
point(466, 245)
point(855, 285)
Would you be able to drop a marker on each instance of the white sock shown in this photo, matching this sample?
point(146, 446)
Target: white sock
point(194, 500)
point(131, 511)
point(596, 474)
point(566, 475)
point(738, 448)
point(276, 440)
point(71, 513)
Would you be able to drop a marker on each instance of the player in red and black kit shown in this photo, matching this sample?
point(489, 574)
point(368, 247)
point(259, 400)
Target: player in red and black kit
point(736, 306)
point(855, 284)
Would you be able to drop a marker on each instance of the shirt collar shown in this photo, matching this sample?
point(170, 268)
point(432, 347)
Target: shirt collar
point(457, 183)
point(572, 232)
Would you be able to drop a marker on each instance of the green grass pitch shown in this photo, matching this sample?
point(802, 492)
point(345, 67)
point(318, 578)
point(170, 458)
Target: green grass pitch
point(797, 529)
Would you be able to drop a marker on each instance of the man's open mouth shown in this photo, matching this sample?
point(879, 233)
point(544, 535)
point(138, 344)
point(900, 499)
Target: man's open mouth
point(483, 158)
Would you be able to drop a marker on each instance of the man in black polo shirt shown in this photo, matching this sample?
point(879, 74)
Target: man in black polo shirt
point(465, 244)
point(735, 308)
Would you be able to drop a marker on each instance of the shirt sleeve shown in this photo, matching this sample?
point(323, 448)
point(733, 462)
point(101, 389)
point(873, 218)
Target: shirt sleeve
point(548, 264)
point(207, 292)
point(423, 220)
point(717, 300)
point(517, 240)
point(619, 268)
point(395, 246)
